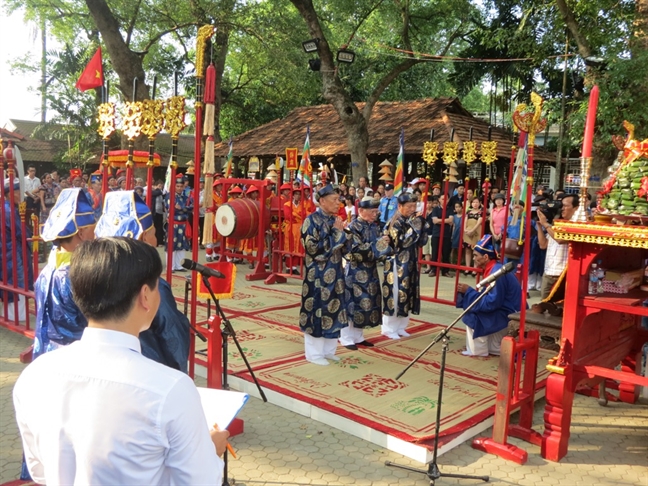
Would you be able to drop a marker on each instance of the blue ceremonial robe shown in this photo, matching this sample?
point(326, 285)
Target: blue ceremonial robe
point(491, 313)
point(167, 340)
point(60, 322)
point(324, 296)
point(58, 319)
point(365, 248)
point(12, 246)
point(181, 220)
point(407, 236)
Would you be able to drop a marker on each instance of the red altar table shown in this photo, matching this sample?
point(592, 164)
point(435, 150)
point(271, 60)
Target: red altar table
point(599, 332)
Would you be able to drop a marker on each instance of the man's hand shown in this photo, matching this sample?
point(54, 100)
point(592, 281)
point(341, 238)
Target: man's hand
point(219, 438)
point(462, 288)
point(339, 224)
point(542, 219)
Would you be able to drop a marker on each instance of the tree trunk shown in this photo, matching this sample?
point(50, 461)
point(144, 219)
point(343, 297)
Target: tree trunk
point(355, 122)
point(584, 48)
point(221, 46)
point(639, 41)
point(126, 63)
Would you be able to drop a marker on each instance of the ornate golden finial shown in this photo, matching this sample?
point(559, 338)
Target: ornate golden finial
point(204, 33)
point(430, 151)
point(530, 121)
point(152, 119)
point(488, 152)
point(469, 152)
point(131, 119)
point(174, 116)
point(106, 119)
point(450, 152)
point(630, 129)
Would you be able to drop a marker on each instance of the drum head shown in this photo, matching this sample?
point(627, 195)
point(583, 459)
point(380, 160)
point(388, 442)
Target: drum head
point(225, 220)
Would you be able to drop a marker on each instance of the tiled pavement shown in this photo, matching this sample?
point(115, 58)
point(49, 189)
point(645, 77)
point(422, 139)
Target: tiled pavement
point(608, 446)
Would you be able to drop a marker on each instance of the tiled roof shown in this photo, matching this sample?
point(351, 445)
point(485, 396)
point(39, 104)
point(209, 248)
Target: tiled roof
point(327, 136)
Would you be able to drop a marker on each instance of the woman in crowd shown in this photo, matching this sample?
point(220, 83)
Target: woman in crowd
point(472, 229)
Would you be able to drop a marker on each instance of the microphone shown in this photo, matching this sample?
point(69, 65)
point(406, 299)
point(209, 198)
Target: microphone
point(201, 269)
point(491, 278)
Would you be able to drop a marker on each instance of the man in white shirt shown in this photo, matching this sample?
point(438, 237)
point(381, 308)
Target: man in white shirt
point(97, 411)
point(557, 250)
point(32, 194)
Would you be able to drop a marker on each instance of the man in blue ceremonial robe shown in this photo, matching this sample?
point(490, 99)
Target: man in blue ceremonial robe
point(401, 289)
point(167, 340)
point(59, 321)
point(487, 322)
point(11, 240)
point(323, 310)
point(180, 230)
point(365, 247)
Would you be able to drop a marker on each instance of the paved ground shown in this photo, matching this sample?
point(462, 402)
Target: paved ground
point(609, 445)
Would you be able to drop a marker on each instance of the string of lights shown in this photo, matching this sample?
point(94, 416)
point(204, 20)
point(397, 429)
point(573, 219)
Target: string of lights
point(422, 56)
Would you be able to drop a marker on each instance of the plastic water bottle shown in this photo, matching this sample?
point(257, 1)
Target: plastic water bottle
point(601, 277)
point(592, 288)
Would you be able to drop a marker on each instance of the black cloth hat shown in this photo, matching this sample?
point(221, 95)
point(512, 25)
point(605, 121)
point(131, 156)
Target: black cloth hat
point(369, 202)
point(325, 191)
point(407, 197)
point(389, 187)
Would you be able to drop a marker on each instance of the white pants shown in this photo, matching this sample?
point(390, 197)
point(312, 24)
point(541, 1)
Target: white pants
point(178, 257)
point(11, 315)
point(393, 324)
point(318, 348)
point(485, 345)
point(351, 335)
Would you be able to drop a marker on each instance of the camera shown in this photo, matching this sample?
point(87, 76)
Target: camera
point(551, 209)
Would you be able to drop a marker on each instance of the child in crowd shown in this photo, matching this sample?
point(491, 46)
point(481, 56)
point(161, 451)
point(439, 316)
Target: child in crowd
point(457, 217)
point(472, 229)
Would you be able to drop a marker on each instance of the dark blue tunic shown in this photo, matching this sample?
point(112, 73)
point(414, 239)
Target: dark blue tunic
point(12, 246)
point(324, 296)
point(181, 219)
point(407, 236)
point(364, 248)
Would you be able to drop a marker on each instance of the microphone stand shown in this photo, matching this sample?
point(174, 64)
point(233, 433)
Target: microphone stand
point(433, 473)
point(226, 332)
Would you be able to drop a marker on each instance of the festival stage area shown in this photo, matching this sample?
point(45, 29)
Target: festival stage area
point(359, 394)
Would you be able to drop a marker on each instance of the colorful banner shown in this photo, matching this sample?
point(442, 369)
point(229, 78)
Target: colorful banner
point(230, 157)
point(305, 168)
point(398, 177)
point(291, 159)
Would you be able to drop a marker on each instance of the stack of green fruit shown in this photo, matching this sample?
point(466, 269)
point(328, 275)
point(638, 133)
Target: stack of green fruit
point(623, 197)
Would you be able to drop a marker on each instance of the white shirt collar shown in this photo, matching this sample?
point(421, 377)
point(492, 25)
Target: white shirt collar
point(94, 335)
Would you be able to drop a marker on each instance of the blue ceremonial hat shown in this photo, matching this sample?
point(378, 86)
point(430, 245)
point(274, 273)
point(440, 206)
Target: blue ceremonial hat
point(124, 214)
point(406, 197)
point(71, 212)
point(7, 185)
point(327, 190)
point(485, 246)
point(369, 202)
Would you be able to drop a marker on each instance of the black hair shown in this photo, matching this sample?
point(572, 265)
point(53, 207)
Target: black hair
point(574, 197)
point(107, 275)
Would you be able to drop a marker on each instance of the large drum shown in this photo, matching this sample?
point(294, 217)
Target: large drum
point(238, 219)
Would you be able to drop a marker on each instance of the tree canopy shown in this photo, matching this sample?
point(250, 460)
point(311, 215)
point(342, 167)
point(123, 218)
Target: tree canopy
point(402, 52)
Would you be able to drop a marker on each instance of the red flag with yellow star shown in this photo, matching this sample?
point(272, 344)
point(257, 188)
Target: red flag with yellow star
point(92, 75)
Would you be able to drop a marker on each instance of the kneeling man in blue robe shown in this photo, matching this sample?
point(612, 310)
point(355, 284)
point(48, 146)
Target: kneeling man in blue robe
point(487, 322)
